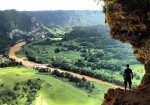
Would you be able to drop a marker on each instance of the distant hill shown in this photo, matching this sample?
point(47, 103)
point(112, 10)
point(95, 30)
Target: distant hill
point(9, 20)
point(68, 17)
point(12, 19)
point(16, 26)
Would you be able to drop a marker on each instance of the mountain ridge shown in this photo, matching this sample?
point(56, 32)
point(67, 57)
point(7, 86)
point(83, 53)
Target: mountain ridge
point(69, 17)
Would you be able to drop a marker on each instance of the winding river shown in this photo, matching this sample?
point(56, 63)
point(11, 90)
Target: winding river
point(27, 63)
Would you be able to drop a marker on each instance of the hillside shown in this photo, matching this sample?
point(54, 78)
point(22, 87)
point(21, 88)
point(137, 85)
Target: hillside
point(27, 86)
point(16, 26)
point(68, 18)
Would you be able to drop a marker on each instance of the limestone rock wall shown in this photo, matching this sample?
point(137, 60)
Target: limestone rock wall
point(129, 22)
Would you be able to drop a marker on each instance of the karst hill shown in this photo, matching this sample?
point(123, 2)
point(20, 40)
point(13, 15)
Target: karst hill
point(129, 21)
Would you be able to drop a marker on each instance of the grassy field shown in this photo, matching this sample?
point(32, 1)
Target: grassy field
point(138, 71)
point(45, 53)
point(53, 91)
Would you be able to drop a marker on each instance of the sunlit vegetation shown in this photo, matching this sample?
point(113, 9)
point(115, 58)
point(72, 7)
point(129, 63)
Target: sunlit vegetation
point(58, 31)
point(16, 88)
point(78, 82)
point(88, 51)
point(21, 86)
point(93, 89)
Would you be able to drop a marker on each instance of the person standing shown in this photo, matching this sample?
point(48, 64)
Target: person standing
point(128, 76)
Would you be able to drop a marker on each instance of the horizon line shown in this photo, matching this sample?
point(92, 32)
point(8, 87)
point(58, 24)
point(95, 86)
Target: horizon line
point(57, 10)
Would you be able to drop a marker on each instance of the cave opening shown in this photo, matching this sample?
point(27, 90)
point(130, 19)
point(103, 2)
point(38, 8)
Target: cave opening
point(120, 30)
point(129, 22)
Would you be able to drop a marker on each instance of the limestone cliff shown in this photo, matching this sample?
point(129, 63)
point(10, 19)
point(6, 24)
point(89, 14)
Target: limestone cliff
point(129, 21)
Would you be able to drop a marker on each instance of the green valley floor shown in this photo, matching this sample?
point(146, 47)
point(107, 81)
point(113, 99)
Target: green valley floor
point(53, 91)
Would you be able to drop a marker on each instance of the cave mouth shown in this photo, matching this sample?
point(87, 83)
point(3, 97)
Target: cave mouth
point(129, 21)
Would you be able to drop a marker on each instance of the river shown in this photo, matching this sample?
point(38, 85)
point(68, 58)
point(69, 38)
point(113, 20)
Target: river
point(27, 63)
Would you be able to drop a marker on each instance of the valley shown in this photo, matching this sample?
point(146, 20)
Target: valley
point(68, 59)
point(52, 87)
point(27, 63)
point(87, 51)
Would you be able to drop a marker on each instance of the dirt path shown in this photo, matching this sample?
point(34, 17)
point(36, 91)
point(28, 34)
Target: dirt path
point(27, 63)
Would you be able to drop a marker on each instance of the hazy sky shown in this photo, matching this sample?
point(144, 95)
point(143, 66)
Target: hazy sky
point(49, 5)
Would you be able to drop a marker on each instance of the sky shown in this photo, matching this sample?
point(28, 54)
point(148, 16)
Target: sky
point(34, 5)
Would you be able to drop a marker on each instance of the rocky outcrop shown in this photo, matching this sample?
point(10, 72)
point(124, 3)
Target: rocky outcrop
point(129, 21)
point(138, 96)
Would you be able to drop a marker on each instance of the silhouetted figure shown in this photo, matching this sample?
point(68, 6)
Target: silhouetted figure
point(128, 75)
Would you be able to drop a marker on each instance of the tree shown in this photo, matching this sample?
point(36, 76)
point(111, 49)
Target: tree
point(57, 50)
point(87, 85)
point(83, 79)
point(16, 88)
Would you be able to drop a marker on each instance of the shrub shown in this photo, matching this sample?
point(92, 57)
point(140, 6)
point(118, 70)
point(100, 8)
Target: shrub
point(57, 50)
